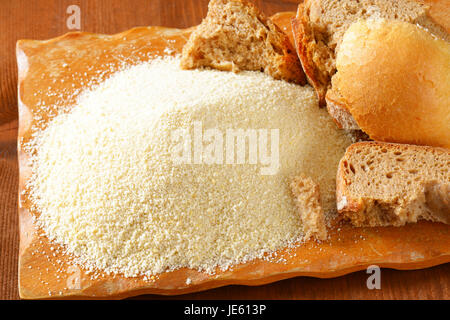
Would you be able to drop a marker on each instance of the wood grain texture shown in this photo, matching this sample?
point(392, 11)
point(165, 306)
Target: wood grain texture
point(9, 233)
point(46, 19)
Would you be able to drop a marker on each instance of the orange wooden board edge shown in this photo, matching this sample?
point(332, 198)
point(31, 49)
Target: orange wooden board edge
point(62, 66)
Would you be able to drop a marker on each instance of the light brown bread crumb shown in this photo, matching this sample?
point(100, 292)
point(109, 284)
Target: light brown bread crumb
point(236, 36)
point(307, 199)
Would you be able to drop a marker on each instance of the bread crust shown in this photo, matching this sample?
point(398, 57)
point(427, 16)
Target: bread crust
point(303, 40)
point(339, 111)
point(429, 201)
point(439, 12)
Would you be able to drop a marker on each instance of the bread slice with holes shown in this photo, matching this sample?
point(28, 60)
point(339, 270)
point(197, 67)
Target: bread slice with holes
point(319, 27)
point(236, 36)
point(385, 184)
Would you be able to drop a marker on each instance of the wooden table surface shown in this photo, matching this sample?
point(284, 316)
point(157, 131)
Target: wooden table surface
point(27, 19)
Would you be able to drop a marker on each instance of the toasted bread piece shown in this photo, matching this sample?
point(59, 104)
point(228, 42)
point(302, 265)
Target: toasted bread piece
point(236, 36)
point(383, 184)
point(320, 25)
point(307, 200)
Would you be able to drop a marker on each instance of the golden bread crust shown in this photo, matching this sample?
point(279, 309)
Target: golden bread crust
point(305, 46)
point(339, 111)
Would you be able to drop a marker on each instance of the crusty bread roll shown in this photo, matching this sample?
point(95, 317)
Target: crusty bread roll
point(319, 26)
point(394, 78)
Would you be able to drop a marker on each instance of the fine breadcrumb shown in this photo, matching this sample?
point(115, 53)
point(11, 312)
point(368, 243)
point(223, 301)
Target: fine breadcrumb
point(104, 184)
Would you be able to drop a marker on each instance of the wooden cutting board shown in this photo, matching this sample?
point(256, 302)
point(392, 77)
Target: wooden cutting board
point(61, 66)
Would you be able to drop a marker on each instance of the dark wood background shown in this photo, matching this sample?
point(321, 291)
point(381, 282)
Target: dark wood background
point(44, 19)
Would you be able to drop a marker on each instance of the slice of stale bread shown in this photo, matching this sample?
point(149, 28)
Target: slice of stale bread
point(382, 184)
point(307, 200)
point(236, 36)
point(318, 30)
